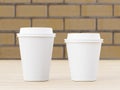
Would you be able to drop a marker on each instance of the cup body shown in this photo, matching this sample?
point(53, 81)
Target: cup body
point(83, 57)
point(36, 54)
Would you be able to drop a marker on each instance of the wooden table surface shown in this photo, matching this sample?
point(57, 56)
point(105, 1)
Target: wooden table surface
point(11, 77)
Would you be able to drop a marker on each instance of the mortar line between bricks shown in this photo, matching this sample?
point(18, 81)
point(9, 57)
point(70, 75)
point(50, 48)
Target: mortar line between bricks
point(96, 21)
point(116, 45)
point(110, 45)
point(113, 38)
point(17, 3)
point(87, 17)
point(60, 3)
point(48, 10)
point(66, 31)
point(63, 51)
point(80, 10)
point(97, 1)
point(71, 31)
point(116, 31)
point(31, 1)
point(63, 1)
point(7, 4)
point(9, 31)
point(10, 58)
point(63, 24)
point(7, 45)
point(79, 17)
point(15, 10)
point(113, 10)
point(15, 38)
point(109, 58)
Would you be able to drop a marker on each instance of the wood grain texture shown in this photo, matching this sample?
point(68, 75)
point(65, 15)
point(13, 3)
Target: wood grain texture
point(11, 77)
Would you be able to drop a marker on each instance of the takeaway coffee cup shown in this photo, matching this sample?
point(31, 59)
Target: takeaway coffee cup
point(83, 55)
point(36, 44)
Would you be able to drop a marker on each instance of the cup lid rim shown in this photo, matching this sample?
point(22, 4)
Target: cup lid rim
point(83, 40)
point(83, 36)
point(35, 30)
point(36, 35)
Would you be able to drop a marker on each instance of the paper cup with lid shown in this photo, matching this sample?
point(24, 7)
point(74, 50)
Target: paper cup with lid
point(36, 45)
point(83, 55)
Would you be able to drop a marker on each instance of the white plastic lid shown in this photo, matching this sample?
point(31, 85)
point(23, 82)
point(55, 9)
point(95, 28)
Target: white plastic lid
point(83, 37)
point(36, 31)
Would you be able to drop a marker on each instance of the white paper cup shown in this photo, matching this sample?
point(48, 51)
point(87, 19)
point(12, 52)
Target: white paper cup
point(36, 46)
point(83, 55)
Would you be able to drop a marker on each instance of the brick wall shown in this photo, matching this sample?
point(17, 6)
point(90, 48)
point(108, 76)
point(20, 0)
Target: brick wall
point(64, 16)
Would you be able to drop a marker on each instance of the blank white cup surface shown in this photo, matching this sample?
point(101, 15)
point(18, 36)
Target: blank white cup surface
point(36, 45)
point(83, 55)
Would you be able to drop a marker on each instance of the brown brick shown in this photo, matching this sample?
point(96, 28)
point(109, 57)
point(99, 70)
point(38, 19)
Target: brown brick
point(80, 24)
point(96, 10)
point(17, 42)
point(13, 24)
point(110, 52)
point(64, 10)
point(15, 1)
point(80, 1)
point(59, 39)
point(107, 37)
point(109, 1)
point(108, 24)
point(6, 38)
point(6, 11)
point(9, 52)
point(31, 11)
point(117, 10)
point(117, 38)
point(56, 24)
point(57, 52)
point(47, 1)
